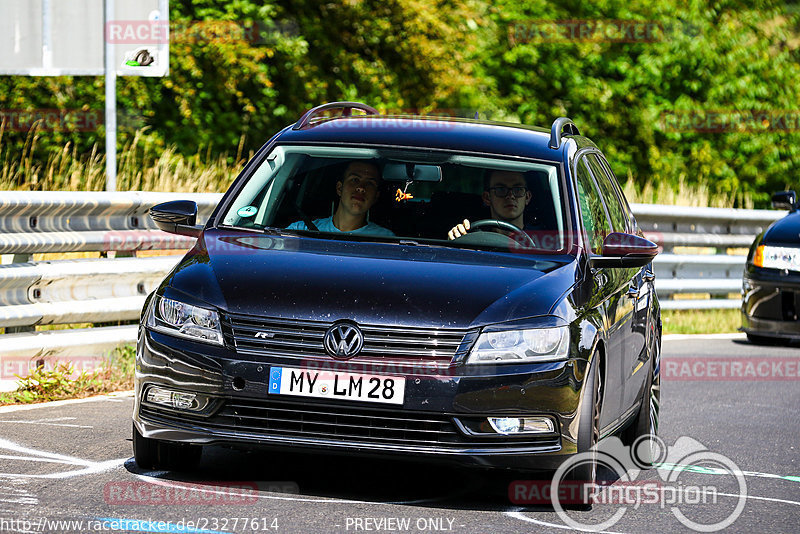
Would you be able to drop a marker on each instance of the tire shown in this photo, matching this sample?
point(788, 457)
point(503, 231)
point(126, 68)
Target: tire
point(645, 424)
point(156, 454)
point(178, 456)
point(764, 340)
point(585, 473)
point(145, 450)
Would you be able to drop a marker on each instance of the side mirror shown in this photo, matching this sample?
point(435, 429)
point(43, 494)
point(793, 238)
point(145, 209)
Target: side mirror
point(784, 200)
point(177, 217)
point(625, 250)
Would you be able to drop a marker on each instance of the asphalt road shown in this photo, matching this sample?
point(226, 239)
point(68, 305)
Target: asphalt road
point(72, 462)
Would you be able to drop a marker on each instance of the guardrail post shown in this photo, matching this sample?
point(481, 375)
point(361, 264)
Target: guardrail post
point(20, 258)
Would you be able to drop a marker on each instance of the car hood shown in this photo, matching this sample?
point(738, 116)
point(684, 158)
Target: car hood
point(784, 231)
point(370, 283)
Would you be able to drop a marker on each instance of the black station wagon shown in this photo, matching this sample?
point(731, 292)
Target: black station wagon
point(411, 286)
point(771, 282)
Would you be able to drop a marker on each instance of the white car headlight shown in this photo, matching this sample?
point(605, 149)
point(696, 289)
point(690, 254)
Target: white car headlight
point(777, 257)
point(521, 346)
point(184, 320)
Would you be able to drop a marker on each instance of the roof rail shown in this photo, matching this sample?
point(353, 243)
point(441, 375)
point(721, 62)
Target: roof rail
point(561, 123)
point(347, 108)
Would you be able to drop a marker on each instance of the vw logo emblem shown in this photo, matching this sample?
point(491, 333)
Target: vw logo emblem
point(343, 340)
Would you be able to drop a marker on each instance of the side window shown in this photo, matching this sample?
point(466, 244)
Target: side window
point(593, 213)
point(625, 206)
point(619, 219)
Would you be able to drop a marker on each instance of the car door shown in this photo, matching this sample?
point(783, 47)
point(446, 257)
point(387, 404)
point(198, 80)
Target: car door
point(604, 291)
point(633, 303)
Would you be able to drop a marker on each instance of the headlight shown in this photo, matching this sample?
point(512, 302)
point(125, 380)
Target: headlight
point(521, 346)
point(180, 319)
point(777, 257)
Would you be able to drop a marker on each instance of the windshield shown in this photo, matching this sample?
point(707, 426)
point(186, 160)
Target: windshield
point(405, 195)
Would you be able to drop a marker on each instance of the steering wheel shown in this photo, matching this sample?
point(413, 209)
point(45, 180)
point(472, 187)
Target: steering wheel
point(503, 226)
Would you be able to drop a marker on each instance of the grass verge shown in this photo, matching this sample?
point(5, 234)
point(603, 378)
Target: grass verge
point(59, 383)
point(701, 321)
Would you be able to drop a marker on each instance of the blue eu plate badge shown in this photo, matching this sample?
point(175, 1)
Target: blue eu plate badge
point(275, 379)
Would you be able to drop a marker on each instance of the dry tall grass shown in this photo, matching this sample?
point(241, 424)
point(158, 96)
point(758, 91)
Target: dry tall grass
point(683, 194)
point(142, 166)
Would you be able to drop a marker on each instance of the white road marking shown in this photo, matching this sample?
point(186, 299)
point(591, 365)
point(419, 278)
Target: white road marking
point(699, 337)
point(34, 459)
point(45, 423)
point(522, 517)
point(11, 492)
point(87, 466)
point(110, 397)
point(757, 498)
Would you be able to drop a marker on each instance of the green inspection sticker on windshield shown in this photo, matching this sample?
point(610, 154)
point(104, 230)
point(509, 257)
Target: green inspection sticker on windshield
point(247, 211)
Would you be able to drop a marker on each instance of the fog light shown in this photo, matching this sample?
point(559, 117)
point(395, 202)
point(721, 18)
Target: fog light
point(178, 400)
point(521, 425)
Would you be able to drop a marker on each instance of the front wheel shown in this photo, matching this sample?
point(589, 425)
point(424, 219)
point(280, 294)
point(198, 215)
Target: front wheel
point(765, 340)
point(582, 475)
point(145, 450)
point(151, 453)
point(641, 434)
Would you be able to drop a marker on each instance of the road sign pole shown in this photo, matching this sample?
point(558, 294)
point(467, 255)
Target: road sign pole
point(111, 102)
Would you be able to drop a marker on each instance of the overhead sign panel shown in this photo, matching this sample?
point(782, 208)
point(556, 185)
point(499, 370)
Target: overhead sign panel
point(68, 37)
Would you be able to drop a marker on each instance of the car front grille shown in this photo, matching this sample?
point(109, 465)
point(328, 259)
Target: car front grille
point(353, 425)
point(303, 339)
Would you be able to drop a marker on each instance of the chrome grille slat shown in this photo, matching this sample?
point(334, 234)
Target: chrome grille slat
point(279, 342)
point(305, 338)
point(425, 342)
point(396, 363)
point(283, 330)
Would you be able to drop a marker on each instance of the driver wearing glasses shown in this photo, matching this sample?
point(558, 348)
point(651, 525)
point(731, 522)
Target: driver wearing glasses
point(506, 193)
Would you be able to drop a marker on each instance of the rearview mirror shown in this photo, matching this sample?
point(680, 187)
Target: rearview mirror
point(177, 217)
point(784, 200)
point(411, 172)
point(625, 250)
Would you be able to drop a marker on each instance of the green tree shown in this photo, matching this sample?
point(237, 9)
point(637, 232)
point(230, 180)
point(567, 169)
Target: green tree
point(700, 59)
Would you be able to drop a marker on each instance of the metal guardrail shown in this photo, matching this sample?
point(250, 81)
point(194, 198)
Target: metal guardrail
point(113, 288)
point(715, 276)
point(62, 292)
point(61, 221)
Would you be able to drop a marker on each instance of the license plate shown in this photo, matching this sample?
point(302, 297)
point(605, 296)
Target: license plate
point(336, 385)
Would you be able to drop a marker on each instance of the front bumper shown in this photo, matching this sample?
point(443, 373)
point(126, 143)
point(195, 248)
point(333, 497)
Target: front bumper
point(434, 422)
point(771, 303)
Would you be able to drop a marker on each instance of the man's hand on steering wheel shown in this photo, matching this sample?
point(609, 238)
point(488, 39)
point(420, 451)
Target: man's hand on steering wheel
point(459, 230)
point(465, 227)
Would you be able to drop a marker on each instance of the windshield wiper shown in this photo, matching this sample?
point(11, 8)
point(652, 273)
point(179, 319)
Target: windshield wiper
point(413, 243)
point(272, 230)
